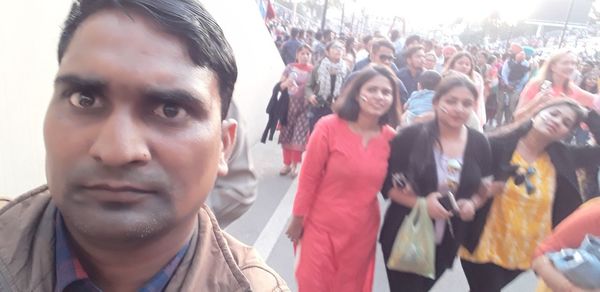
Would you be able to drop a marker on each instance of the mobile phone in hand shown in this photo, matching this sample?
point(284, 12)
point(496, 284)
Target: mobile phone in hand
point(546, 85)
point(399, 180)
point(449, 203)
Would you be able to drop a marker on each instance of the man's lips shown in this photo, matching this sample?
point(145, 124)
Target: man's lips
point(116, 192)
point(117, 187)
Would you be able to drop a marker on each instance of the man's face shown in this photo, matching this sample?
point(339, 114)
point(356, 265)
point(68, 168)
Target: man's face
point(331, 35)
point(133, 132)
point(417, 59)
point(383, 56)
point(430, 62)
point(336, 51)
point(481, 59)
point(428, 46)
point(414, 43)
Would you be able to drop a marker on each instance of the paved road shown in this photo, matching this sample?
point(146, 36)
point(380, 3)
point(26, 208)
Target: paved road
point(263, 226)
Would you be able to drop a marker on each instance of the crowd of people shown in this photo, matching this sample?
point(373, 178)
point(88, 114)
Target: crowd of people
point(498, 148)
point(510, 136)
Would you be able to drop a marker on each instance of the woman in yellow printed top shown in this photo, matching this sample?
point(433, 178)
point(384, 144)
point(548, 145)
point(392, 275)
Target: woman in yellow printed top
point(535, 187)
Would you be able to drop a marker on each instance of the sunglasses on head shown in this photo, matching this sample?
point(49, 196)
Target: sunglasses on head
point(523, 176)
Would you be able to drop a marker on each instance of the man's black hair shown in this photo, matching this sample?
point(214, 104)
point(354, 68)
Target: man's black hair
point(412, 50)
point(382, 43)
point(295, 32)
point(186, 19)
point(319, 35)
point(411, 39)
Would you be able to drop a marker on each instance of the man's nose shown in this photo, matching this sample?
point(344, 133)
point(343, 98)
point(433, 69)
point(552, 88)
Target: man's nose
point(120, 141)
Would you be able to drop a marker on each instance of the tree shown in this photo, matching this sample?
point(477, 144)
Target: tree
point(471, 36)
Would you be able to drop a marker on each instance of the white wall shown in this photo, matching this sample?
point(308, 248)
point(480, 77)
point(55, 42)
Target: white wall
point(29, 33)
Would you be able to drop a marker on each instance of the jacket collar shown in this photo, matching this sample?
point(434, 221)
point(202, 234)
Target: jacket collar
point(28, 241)
point(555, 150)
point(563, 166)
point(467, 163)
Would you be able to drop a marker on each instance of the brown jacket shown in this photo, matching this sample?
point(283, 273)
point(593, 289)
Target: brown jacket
point(215, 260)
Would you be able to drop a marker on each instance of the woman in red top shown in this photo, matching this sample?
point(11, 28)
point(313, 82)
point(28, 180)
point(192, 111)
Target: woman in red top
point(294, 134)
point(554, 81)
point(336, 212)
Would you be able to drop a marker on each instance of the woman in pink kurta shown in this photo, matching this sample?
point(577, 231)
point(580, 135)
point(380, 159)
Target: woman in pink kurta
point(294, 135)
point(336, 213)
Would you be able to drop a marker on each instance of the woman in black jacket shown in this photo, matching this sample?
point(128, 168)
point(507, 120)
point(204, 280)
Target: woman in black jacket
point(535, 188)
point(423, 153)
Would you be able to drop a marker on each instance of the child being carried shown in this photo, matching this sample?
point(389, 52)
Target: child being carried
point(420, 101)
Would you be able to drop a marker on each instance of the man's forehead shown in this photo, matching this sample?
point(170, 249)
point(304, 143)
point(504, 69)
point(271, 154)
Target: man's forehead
point(124, 32)
point(132, 50)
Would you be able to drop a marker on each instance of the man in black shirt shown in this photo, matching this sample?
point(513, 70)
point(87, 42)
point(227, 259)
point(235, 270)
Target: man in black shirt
point(415, 58)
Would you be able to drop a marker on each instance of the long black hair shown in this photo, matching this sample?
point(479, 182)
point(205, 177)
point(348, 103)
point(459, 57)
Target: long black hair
point(429, 136)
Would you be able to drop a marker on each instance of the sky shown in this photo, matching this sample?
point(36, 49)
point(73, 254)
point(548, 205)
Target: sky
point(427, 12)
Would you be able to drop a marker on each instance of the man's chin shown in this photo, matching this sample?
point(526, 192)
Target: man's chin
point(114, 225)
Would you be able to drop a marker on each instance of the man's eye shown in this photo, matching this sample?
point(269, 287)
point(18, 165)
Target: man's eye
point(170, 111)
point(84, 101)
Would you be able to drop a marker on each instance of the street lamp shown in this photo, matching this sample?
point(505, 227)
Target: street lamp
point(343, 14)
point(562, 35)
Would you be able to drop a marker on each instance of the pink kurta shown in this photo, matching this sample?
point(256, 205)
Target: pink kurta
point(337, 195)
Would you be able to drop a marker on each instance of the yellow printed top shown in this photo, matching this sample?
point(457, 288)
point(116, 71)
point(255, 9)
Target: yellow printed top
point(518, 221)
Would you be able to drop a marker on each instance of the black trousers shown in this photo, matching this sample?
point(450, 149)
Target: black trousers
point(488, 277)
point(409, 282)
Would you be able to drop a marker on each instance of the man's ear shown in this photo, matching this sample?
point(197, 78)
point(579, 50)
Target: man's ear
point(228, 135)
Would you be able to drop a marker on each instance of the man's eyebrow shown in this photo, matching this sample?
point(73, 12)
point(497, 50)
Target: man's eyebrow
point(78, 81)
point(179, 96)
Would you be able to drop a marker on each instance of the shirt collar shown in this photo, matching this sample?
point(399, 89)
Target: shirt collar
point(70, 275)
